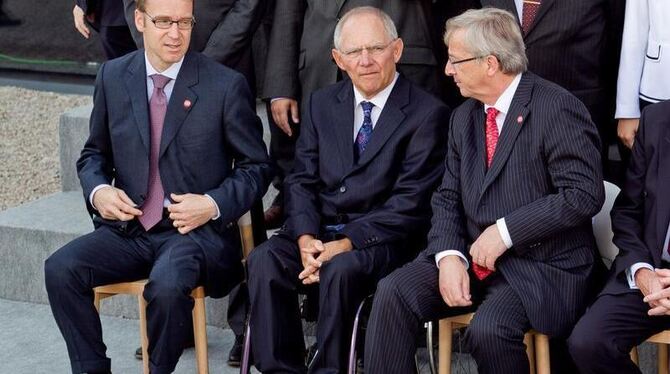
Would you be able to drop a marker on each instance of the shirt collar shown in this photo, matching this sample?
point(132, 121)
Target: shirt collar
point(170, 72)
point(379, 100)
point(505, 100)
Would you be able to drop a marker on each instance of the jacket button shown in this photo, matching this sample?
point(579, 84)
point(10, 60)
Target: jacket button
point(343, 189)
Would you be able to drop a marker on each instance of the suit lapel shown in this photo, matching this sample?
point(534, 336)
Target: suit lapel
point(343, 118)
point(389, 120)
point(663, 208)
point(544, 8)
point(136, 82)
point(177, 109)
point(511, 128)
point(480, 140)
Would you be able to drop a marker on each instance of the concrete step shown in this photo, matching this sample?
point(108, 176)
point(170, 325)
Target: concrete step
point(31, 232)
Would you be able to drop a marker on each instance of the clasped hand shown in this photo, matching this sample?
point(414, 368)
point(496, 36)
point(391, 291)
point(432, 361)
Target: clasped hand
point(314, 253)
point(654, 287)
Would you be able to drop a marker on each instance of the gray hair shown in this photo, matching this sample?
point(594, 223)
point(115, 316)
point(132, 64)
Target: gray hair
point(491, 31)
point(389, 27)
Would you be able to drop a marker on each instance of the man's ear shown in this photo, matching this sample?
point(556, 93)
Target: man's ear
point(337, 56)
point(139, 20)
point(493, 64)
point(398, 47)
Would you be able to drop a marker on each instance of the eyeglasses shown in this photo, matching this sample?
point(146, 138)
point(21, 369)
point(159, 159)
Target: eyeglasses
point(454, 63)
point(165, 22)
point(374, 50)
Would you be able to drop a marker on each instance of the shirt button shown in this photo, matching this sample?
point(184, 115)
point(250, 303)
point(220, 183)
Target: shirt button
point(343, 189)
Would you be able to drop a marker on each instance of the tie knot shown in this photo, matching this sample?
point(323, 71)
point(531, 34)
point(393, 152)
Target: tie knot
point(367, 107)
point(492, 113)
point(159, 80)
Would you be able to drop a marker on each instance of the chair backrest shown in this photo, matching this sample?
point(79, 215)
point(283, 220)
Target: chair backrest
point(602, 226)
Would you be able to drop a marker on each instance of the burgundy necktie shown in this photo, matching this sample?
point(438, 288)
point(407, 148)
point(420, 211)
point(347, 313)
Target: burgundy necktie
point(491, 143)
point(152, 209)
point(530, 8)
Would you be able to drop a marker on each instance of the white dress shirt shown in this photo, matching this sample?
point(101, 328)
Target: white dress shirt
point(502, 105)
point(630, 272)
point(379, 100)
point(171, 72)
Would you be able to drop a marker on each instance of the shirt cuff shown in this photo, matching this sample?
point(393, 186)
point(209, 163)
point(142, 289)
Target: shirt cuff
point(218, 212)
point(90, 197)
point(502, 228)
point(277, 98)
point(450, 252)
point(630, 273)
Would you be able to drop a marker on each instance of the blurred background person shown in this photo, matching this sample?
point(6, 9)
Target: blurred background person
point(107, 18)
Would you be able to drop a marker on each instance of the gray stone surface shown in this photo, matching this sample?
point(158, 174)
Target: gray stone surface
point(72, 134)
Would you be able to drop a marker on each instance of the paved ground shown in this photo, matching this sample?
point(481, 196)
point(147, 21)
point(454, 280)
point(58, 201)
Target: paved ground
point(31, 343)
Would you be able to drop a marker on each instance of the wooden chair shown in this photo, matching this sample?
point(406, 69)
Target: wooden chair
point(136, 288)
point(537, 345)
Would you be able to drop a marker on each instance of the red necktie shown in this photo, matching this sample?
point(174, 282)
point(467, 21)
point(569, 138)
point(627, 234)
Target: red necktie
point(530, 8)
point(152, 209)
point(491, 142)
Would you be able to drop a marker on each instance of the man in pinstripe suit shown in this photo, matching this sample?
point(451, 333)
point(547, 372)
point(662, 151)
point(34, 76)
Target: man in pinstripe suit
point(522, 180)
point(357, 208)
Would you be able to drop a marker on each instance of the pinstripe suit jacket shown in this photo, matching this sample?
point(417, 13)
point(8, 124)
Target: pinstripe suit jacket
point(384, 197)
point(545, 180)
point(576, 44)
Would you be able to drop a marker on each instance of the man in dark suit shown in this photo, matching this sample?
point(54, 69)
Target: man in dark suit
point(522, 180)
point(223, 31)
point(635, 303)
point(107, 18)
point(575, 44)
point(157, 172)
point(299, 63)
point(368, 156)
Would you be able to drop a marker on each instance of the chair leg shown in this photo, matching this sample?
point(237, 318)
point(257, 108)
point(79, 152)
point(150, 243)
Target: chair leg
point(662, 358)
point(245, 365)
point(429, 347)
point(200, 335)
point(530, 351)
point(144, 340)
point(634, 356)
point(444, 348)
point(96, 301)
point(542, 361)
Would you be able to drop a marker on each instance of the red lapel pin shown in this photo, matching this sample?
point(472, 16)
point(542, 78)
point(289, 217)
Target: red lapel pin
point(187, 104)
point(519, 120)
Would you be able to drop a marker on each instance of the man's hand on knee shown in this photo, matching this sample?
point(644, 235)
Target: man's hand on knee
point(113, 204)
point(454, 282)
point(654, 286)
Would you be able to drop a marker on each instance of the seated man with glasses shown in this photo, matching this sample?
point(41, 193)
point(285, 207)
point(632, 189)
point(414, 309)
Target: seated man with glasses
point(368, 157)
point(175, 155)
point(511, 228)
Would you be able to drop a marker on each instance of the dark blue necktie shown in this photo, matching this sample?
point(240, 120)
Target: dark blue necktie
point(364, 134)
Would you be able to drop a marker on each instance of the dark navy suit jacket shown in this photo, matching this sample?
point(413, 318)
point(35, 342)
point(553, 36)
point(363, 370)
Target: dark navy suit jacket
point(384, 197)
point(545, 180)
point(199, 144)
point(641, 213)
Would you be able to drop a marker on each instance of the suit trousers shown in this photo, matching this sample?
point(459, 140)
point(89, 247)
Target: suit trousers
point(276, 329)
point(602, 339)
point(410, 296)
point(174, 265)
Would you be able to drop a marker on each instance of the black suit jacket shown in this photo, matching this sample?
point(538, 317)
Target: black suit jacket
point(545, 180)
point(641, 213)
point(199, 145)
point(576, 44)
point(299, 54)
point(384, 197)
